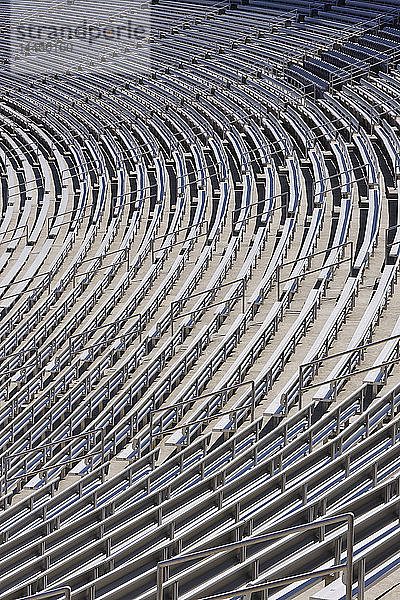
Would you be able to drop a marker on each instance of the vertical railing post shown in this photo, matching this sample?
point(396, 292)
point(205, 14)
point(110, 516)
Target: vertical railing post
point(171, 316)
point(253, 400)
point(350, 551)
point(278, 278)
point(301, 383)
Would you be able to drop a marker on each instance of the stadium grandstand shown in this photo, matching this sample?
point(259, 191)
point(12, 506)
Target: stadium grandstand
point(199, 306)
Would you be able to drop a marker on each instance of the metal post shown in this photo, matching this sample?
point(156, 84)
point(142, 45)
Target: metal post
point(102, 445)
point(348, 566)
point(66, 590)
point(171, 316)
point(253, 400)
point(350, 549)
point(351, 255)
point(278, 277)
point(301, 382)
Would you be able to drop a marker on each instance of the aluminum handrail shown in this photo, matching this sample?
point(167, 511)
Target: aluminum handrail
point(344, 172)
point(75, 267)
point(175, 233)
point(69, 212)
point(281, 196)
point(6, 285)
point(179, 405)
point(342, 185)
point(382, 58)
point(19, 353)
point(105, 342)
point(24, 235)
point(180, 301)
point(329, 249)
point(360, 349)
point(387, 243)
point(279, 281)
point(347, 566)
point(265, 212)
point(129, 152)
point(86, 334)
point(264, 587)
point(146, 144)
point(336, 380)
point(101, 257)
point(314, 195)
point(5, 459)
point(66, 590)
point(80, 171)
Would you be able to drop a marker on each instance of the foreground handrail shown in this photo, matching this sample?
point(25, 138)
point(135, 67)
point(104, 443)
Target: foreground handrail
point(345, 566)
point(66, 590)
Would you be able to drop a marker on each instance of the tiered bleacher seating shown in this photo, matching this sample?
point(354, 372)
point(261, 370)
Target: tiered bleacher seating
point(199, 324)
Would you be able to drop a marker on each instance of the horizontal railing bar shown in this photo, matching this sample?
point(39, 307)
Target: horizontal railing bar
point(159, 237)
point(208, 395)
point(118, 321)
point(112, 339)
point(56, 443)
point(352, 374)
point(266, 537)
point(66, 590)
point(204, 420)
point(351, 351)
point(199, 235)
point(5, 459)
point(315, 270)
point(347, 565)
point(101, 256)
point(265, 212)
point(126, 260)
point(59, 466)
point(222, 391)
point(282, 194)
point(277, 583)
point(213, 289)
point(290, 262)
point(196, 310)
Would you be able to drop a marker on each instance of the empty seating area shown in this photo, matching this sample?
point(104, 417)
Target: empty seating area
point(199, 299)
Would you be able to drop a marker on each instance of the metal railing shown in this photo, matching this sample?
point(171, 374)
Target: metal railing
point(265, 200)
point(85, 335)
point(25, 354)
point(213, 289)
point(315, 364)
point(5, 460)
point(49, 274)
point(337, 174)
point(51, 594)
point(179, 413)
point(40, 287)
point(79, 218)
point(365, 178)
point(346, 566)
point(387, 243)
point(175, 233)
point(358, 69)
point(279, 281)
point(101, 257)
point(25, 235)
point(95, 161)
